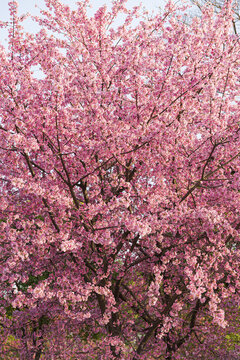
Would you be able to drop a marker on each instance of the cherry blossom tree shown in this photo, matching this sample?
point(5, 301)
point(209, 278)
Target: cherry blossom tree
point(120, 190)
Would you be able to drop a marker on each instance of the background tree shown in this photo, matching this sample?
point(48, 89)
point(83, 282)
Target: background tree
point(120, 186)
point(218, 5)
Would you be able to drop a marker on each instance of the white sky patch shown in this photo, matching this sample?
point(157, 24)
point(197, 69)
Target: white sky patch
point(37, 72)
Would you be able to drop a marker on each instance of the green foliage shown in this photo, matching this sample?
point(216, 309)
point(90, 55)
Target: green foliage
point(233, 339)
point(9, 311)
point(32, 281)
point(40, 217)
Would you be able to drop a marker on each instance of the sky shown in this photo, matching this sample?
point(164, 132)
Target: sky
point(32, 7)
point(29, 5)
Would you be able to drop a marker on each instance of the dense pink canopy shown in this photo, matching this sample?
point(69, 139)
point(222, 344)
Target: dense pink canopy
point(120, 191)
